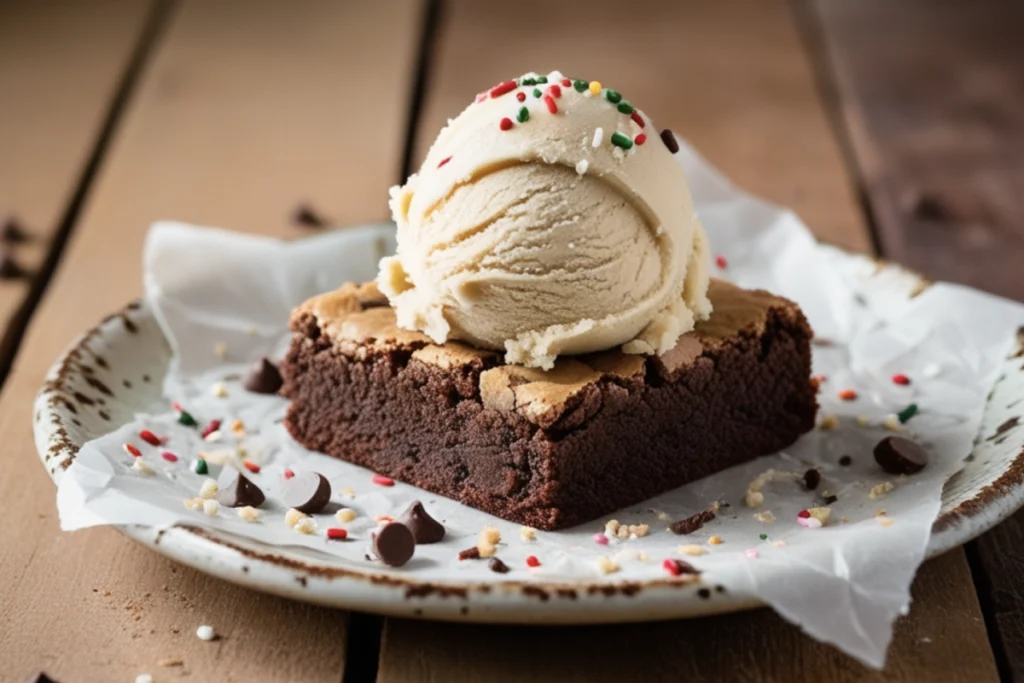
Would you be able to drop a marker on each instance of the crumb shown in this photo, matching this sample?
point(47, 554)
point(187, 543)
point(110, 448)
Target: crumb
point(892, 423)
point(642, 556)
point(822, 514)
point(345, 515)
point(778, 544)
point(754, 498)
point(485, 549)
point(194, 504)
point(693, 550)
point(828, 423)
point(664, 516)
point(249, 513)
point(205, 632)
point(862, 420)
point(306, 525)
point(884, 521)
point(715, 540)
point(490, 536)
point(527, 534)
point(238, 428)
point(879, 511)
point(142, 468)
point(348, 492)
point(693, 523)
point(209, 489)
point(881, 490)
point(219, 390)
point(251, 331)
point(752, 553)
point(607, 565)
point(211, 507)
point(170, 661)
point(292, 517)
point(220, 349)
point(143, 678)
point(765, 517)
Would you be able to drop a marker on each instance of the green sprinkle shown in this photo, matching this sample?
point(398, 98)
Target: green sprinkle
point(620, 140)
point(612, 96)
point(523, 116)
point(542, 79)
point(580, 85)
point(625, 107)
point(200, 467)
point(763, 537)
point(187, 419)
point(536, 92)
point(907, 413)
point(528, 81)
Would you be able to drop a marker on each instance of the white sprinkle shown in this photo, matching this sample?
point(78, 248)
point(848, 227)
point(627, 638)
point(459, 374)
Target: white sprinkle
point(572, 245)
point(527, 534)
point(249, 513)
point(205, 632)
point(892, 423)
point(209, 489)
point(213, 437)
point(598, 137)
point(306, 525)
point(143, 678)
point(292, 517)
point(210, 507)
point(345, 515)
point(142, 468)
point(931, 370)
point(219, 390)
point(194, 504)
point(581, 166)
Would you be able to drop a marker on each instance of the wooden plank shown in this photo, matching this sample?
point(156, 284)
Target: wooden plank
point(55, 102)
point(932, 644)
point(245, 109)
point(735, 80)
point(731, 77)
point(932, 95)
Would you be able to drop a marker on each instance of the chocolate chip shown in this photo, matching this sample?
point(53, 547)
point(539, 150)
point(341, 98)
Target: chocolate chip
point(240, 492)
point(11, 231)
point(828, 500)
point(40, 677)
point(394, 544)
point(263, 378)
point(307, 492)
point(845, 461)
point(704, 594)
point(9, 268)
point(470, 554)
point(424, 528)
point(304, 215)
point(670, 140)
point(897, 455)
point(692, 523)
point(496, 565)
point(812, 478)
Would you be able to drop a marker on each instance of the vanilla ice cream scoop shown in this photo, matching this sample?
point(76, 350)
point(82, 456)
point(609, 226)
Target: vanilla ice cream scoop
point(549, 218)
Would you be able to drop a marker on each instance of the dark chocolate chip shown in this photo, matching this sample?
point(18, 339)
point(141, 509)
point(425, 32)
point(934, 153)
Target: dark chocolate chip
point(394, 544)
point(11, 231)
point(812, 478)
point(845, 461)
point(424, 528)
point(897, 455)
point(9, 267)
point(306, 216)
point(263, 378)
point(470, 554)
point(670, 140)
point(704, 593)
point(496, 565)
point(828, 500)
point(307, 492)
point(240, 492)
point(40, 677)
point(692, 523)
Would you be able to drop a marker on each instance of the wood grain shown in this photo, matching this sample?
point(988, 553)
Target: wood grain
point(933, 95)
point(245, 109)
point(60, 66)
point(732, 77)
point(932, 644)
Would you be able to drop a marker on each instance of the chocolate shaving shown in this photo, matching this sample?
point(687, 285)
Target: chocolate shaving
point(692, 523)
point(496, 565)
point(470, 554)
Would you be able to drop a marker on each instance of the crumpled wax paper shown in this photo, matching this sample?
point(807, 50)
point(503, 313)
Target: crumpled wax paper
point(843, 583)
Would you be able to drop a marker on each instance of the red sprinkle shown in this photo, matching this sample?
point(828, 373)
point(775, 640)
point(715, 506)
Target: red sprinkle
point(552, 107)
point(555, 90)
point(251, 466)
point(847, 394)
point(480, 97)
point(721, 262)
point(381, 480)
point(169, 457)
point(566, 82)
point(532, 561)
point(177, 407)
point(505, 123)
point(901, 379)
point(288, 474)
point(210, 428)
point(521, 96)
point(337, 534)
point(639, 119)
point(672, 567)
point(819, 379)
point(502, 88)
point(132, 451)
point(640, 139)
point(149, 437)
point(803, 514)
point(444, 161)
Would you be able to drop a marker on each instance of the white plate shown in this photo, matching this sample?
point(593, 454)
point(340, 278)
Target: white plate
point(122, 362)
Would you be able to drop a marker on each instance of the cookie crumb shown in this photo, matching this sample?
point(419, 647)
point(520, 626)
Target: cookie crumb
point(884, 521)
point(194, 504)
point(606, 565)
point(822, 514)
point(170, 661)
point(210, 507)
point(209, 489)
point(292, 517)
point(694, 522)
point(880, 490)
point(828, 423)
point(142, 468)
point(490, 536)
point(765, 517)
point(249, 513)
point(218, 390)
point(692, 550)
point(527, 534)
point(715, 540)
point(345, 515)
point(220, 349)
point(892, 423)
point(754, 498)
point(778, 544)
point(306, 526)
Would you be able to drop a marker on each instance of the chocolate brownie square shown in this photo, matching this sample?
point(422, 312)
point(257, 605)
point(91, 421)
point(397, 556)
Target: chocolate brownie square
point(548, 449)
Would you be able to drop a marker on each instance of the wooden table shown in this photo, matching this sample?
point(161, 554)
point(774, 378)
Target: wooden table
point(896, 127)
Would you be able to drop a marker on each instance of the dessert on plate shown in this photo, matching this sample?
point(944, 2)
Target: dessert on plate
point(547, 345)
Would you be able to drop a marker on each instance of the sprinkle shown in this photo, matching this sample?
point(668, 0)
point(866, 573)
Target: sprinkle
point(847, 394)
point(580, 86)
point(185, 418)
point(542, 79)
point(528, 81)
point(208, 490)
point(169, 457)
point(251, 466)
point(306, 526)
point(931, 370)
point(205, 633)
point(149, 437)
point(803, 514)
point(765, 517)
point(880, 490)
point(248, 513)
point(613, 96)
point(220, 349)
point(625, 107)
point(210, 428)
point(907, 413)
point(132, 450)
point(582, 165)
point(292, 517)
point(901, 379)
point(621, 141)
point(678, 567)
point(502, 88)
point(595, 87)
point(670, 141)
point(238, 428)
point(480, 97)
point(336, 534)
point(537, 93)
point(213, 437)
point(219, 390)
point(600, 539)
point(639, 120)
point(381, 480)
point(288, 474)
point(607, 565)
point(692, 550)
point(523, 116)
point(552, 107)
point(763, 537)
point(721, 262)
point(640, 139)
point(598, 137)
point(383, 519)
point(532, 561)
point(845, 461)
point(527, 534)
point(715, 540)
point(566, 82)
point(210, 507)
point(142, 468)
point(521, 96)
point(199, 466)
point(752, 553)
point(554, 91)
point(505, 123)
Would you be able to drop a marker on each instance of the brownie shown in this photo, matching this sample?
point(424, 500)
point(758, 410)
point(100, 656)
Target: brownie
point(548, 449)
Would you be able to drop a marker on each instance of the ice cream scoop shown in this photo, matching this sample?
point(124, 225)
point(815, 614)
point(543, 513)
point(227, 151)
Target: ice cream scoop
point(549, 218)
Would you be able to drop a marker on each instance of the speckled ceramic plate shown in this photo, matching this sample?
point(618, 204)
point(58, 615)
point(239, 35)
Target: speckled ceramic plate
point(122, 362)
